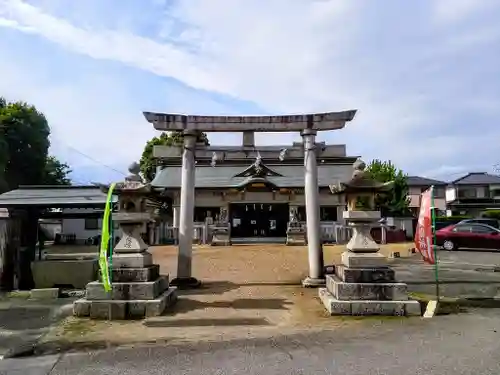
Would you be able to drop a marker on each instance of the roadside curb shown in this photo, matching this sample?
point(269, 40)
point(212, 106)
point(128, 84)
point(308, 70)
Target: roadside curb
point(30, 348)
point(24, 350)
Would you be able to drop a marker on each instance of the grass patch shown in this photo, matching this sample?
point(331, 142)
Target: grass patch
point(22, 294)
point(73, 327)
point(449, 305)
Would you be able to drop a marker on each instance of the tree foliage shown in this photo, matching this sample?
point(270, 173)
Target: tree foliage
point(56, 172)
point(147, 162)
point(396, 202)
point(24, 146)
point(24, 160)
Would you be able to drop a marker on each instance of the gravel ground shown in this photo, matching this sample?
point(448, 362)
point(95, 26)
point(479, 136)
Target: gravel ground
point(249, 291)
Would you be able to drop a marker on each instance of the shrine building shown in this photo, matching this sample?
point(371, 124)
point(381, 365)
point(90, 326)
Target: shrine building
point(259, 187)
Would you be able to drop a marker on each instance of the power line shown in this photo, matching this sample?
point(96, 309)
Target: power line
point(89, 157)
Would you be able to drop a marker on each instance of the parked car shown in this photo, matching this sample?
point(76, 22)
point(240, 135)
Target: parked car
point(468, 236)
point(482, 220)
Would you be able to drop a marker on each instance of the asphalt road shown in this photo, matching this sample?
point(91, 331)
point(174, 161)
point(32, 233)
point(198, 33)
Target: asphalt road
point(455, 344)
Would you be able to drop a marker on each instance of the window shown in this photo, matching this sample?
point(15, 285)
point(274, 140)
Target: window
point(462, 228)
point(91, 223)
point(467, 193)
point(495, 193)
point(328, 213)
point(481, 229)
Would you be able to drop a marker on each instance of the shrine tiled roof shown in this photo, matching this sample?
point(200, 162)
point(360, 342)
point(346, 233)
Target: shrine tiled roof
point(223, 176)
point(54, 196)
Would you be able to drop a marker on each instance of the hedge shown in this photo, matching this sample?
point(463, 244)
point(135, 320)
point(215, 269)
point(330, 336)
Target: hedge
point(491, 214)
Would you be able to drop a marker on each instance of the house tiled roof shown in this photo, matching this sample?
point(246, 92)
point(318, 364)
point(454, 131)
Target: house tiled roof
point(477, 178)
point(53, 196)
point(223, 176)
point(423, 181)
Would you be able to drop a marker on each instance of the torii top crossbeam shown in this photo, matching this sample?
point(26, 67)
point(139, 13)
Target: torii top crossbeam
point(287, 123)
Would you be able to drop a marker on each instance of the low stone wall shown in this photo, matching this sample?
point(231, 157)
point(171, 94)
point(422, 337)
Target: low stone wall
point(64, 273)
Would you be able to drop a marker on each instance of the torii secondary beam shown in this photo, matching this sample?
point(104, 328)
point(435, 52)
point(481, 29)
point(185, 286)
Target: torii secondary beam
point(287, 123)
point(235, 152)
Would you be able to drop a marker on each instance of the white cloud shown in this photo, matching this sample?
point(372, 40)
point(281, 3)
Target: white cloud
point(452, 11)
point(294, 56)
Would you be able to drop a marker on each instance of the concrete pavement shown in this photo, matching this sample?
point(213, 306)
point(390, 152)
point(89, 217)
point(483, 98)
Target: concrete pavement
point(448, 345)
point(23, 322)
point(462, 274)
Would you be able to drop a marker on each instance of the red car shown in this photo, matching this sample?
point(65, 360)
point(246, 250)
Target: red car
point(468, 236)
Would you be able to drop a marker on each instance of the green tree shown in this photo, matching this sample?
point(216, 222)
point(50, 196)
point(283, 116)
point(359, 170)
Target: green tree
point(24, 160)
point(147, 162)
point(396, 202)
point(3, 151)
point(56, 172)
point(24, 144)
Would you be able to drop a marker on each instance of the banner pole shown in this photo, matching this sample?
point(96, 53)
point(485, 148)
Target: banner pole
point(434, 242)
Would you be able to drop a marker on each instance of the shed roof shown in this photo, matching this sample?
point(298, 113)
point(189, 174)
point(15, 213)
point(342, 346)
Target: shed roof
point(54, 196)
point(423, 181)
point(478, 178)
point(224, 176)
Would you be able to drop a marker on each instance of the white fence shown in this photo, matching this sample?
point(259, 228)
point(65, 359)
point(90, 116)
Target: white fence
point(331, 232)
point(167, 234)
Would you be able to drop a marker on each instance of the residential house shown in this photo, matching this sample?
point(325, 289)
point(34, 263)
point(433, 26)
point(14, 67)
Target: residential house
point(473, 194)
point(417, 185)
point(75, 212)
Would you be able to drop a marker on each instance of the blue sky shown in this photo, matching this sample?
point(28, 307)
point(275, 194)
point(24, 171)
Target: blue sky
point(424, 74)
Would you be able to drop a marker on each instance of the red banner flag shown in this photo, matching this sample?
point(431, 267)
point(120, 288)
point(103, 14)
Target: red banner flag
point(423, 233)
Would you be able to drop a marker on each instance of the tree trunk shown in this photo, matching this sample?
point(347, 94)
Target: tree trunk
point(27, 253)
point(9, 245)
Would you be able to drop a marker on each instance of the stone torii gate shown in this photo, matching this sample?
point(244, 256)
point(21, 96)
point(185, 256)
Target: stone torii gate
point(307, 124)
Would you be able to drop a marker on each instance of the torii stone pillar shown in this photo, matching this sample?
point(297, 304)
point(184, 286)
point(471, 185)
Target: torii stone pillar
point(186, 220)
point(311, 192)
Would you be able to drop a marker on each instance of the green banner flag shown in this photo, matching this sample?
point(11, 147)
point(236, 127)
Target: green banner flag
point(104, 263)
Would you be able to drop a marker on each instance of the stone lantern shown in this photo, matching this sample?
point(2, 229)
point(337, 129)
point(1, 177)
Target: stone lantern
point(364, 284)
point(138, 290)
point(360, 193)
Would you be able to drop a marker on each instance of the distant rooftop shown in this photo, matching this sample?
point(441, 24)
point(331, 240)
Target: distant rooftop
point(477, 178)
point(423, 181)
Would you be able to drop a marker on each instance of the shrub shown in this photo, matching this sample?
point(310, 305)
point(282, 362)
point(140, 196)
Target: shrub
point(491, 214)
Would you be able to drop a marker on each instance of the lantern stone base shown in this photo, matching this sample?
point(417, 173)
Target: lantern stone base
point(221, 236)
point(125, 309)
point(137, 291)
point(296, 237)
point(366, 307)
point(365, 285)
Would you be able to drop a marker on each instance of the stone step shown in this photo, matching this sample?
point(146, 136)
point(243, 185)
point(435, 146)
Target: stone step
point(126, 275)
point(387, 308)
point(132, 260)
point(365, 275)
point(128, 291)
point(366, 291)
point(363, 260)
point(125, 309)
